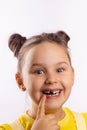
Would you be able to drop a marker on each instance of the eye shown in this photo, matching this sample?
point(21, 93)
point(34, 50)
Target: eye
point(60, 70)
point(39, 72)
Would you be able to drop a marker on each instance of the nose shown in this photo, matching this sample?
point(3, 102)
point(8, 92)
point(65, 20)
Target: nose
point(51, 79)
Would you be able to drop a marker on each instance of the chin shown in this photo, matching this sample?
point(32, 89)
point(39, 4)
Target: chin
point(52, 108)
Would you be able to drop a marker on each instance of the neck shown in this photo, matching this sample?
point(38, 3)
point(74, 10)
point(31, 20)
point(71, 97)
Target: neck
point(59, 113)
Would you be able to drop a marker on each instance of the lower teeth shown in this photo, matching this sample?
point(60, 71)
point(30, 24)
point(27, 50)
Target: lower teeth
point(53, 94)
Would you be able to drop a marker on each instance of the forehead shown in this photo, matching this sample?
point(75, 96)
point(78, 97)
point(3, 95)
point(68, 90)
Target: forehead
point(46, 51)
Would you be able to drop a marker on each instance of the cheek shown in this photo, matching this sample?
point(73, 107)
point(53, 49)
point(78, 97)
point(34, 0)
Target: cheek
point(34, 89)
point(68, 81)
point(33, 84)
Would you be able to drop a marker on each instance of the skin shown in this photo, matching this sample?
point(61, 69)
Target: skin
point(46, 67)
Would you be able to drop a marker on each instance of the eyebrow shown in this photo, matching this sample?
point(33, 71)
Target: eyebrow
point(40, 64)
point(62, 62)
point(36, 64)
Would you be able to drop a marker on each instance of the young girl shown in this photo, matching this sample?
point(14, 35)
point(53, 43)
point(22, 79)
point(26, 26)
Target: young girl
point(45, 72)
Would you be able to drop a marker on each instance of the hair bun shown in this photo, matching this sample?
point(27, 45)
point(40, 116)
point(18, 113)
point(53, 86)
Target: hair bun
point(62, 35)
point(15, 43)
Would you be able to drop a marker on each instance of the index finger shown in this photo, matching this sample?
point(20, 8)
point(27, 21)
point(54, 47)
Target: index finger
point(41, 107)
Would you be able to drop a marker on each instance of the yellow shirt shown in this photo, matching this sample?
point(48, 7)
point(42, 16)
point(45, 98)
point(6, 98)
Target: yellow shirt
point(68, 123)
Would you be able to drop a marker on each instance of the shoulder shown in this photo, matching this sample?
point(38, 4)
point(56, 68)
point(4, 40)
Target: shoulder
point(26, 120)
point(5, 127)
point(21, 123)
point(68, 110)
point(85, 117)
point(80, 117)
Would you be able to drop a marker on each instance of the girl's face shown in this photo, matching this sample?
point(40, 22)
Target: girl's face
point(47, 71)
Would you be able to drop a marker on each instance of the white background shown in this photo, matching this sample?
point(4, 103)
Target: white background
point(29, 17)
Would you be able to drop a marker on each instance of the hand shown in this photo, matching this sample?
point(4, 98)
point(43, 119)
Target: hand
point(44, 122)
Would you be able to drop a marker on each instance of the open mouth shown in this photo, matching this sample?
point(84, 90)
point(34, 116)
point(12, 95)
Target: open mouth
point(52, 92)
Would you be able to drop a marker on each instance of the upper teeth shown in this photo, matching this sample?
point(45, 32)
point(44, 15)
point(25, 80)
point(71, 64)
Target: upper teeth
point(52, 92)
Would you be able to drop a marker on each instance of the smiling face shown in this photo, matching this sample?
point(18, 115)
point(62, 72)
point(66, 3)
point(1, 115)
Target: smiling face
point(47, 70)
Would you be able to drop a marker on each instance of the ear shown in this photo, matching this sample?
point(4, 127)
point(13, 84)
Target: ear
point(19, 81)
point(73, 74)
